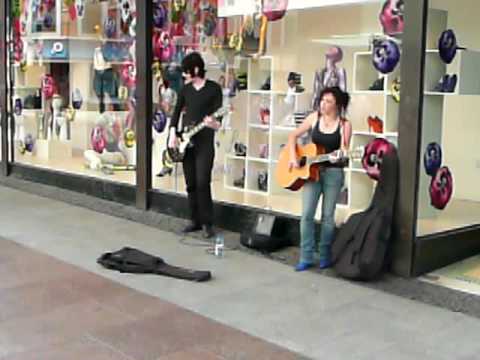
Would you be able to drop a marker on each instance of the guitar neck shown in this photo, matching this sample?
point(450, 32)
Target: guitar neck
point(195, 129)
point(326, 157)
point(201, 125)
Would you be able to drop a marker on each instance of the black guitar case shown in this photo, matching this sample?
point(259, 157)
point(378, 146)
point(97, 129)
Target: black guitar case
point(129, 260)
point(362, 243)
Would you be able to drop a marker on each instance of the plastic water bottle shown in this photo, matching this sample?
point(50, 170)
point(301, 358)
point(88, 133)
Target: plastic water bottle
point(219, 246)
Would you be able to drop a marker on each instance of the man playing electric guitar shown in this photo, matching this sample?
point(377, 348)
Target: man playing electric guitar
point(199, 99)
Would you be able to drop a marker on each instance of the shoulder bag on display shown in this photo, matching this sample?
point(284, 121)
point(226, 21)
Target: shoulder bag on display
point(274, 9)
point(391, 17)
point(386, 55)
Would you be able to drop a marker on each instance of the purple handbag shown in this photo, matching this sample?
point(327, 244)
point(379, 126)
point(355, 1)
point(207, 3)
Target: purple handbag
point(447, 46)
point(160, 15)
point(159, 121)
point(432, 159)
point(386, 55)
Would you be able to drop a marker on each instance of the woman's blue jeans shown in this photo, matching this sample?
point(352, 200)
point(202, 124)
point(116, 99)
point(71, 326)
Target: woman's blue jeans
point(330, 185)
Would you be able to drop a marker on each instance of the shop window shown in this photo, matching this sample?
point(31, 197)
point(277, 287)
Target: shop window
point(271, 86)
point(450, 167)
point(73, 72)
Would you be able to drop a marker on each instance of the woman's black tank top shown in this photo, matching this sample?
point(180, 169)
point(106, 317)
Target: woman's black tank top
point(330, 141)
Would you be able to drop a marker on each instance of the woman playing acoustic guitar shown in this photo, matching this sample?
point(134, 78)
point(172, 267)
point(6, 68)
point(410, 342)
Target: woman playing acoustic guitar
point(329, 129)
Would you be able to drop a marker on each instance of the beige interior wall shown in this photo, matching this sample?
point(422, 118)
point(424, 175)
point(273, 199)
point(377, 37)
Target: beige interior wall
point(461, 125)
point(291, 39)
point(292, 47)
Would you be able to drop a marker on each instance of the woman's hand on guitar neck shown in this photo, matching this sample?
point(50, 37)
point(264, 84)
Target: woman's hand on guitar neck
point(335, 156)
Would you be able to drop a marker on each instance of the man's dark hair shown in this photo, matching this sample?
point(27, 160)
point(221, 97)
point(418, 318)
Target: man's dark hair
point(192, 61)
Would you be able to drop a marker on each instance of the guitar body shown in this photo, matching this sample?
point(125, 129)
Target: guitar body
point(295, 178)
point(177, 154)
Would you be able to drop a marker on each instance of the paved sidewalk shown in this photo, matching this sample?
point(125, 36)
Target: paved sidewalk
point(55, 311)
point(316, 316)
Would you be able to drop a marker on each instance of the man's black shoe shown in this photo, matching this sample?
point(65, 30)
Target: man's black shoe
point(208, 231)
point(191, 228)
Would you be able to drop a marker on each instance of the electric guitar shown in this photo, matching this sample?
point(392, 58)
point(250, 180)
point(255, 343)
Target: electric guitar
point(310, 158)
point(178, 153)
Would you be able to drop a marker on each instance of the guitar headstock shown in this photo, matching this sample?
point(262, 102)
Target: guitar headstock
point(225, 110)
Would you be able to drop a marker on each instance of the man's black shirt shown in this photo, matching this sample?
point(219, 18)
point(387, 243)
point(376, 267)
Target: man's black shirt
point(197, 104)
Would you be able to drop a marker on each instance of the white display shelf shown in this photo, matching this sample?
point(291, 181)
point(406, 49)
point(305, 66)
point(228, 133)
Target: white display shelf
point(434, 93)
point(374, 134)
point(284, 128)
point(55, 37)
point(72, 61)
point(259, 126)
point(235, 157)
point(369, 92)
point(258, 192)
point(234, 188)
point(465, 64)
point(260, 160)
point(259, 70)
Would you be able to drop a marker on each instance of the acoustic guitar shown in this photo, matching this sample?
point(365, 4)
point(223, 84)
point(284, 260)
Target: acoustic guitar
point(310, 158)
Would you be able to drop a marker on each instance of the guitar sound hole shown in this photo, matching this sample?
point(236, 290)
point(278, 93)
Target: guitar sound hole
point(303, 161)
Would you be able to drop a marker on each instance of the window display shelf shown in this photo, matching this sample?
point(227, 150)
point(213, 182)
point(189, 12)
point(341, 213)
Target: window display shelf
point(92, 37)
point(258, 192)
point(349, 40)
point(235, 157)
point(370, 92)
point(262, 92)
point(71, 61)
point(465, 65)
point(273, 92)
point(436, 93)
point(260, 160)
point(259, 126)
point(284, 128)
point(234, 188)
point(374, 134)
point(25, 87)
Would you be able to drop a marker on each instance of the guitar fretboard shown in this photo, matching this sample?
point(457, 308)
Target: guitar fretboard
point(197, 128)
point(326, 157)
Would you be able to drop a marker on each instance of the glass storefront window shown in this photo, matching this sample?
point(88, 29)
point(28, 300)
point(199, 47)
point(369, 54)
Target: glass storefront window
point(450, 168)
point(270, 86)
point(73, 71)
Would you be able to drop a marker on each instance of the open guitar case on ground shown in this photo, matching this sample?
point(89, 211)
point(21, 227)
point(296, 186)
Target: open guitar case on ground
point(362, 244)
point(129, 260)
